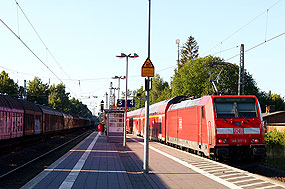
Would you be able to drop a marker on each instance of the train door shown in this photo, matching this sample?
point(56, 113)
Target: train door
point(142, 127)
point(200, 115)
point(160, 127)
point(209, 133)
point(136, 125)
point(131, 125)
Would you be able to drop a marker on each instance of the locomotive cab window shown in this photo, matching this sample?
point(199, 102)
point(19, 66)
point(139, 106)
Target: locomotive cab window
point(235, 108)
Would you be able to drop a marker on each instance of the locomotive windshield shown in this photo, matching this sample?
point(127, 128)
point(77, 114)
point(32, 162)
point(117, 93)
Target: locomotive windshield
point(235, 108)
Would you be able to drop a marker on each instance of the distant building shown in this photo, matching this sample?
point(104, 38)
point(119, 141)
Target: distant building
point(274, 120)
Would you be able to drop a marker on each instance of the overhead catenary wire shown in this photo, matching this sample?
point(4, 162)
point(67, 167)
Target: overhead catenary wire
point(166, 68)
point(255, 46)
point(15, 71)
point(18, 5)
point(226, 50)
point(235, 47)
point(242, 27)
point(64, 79)
point(266, 25)
point(18, 21)
point(264, 42)
point(32, 51)
point(28, 74)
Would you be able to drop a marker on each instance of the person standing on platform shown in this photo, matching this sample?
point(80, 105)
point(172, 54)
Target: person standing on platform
point(100, 128)
point(104, 129)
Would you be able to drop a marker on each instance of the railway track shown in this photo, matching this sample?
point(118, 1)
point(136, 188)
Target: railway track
point(23, 163)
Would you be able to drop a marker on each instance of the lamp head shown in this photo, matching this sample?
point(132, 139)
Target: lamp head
point(177, 41)
point(122, 55)
point(133, 55)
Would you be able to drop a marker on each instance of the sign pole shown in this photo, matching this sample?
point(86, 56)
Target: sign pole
point(146, 131)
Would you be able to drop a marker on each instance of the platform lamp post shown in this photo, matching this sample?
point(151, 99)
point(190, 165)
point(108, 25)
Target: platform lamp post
point(177, 42)
point(123, 55)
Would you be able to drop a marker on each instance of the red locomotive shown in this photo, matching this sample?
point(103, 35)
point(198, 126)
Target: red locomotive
point(214, 126)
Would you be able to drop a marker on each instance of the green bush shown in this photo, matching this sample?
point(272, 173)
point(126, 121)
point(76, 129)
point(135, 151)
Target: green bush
point(275, 137)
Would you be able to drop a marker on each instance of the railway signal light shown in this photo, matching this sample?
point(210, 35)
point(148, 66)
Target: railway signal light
point(102, 105)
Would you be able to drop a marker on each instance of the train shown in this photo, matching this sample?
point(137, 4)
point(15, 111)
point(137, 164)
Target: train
point(20, 118)
point(215, 126)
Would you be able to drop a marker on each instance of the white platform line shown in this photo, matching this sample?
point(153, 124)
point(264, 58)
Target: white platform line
point(70, 179)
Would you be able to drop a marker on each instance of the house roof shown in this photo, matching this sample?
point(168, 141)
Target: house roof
point(273, 113)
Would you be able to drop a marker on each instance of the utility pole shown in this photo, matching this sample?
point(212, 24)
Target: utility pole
point(242, 67)
point(106, 106)
point(119, 88)
point(241, 72)
point(111, 86)
point(25, 89)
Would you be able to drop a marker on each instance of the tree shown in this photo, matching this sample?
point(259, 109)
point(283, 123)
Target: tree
point(160, 90)
point(58, 98)
point(189, 51)
point(139, 97)
point(191, 79)
point(76, 107)
point(277, 101)
point(270, 99)
point(194, 79)
point(8, 86)
point(37, 91)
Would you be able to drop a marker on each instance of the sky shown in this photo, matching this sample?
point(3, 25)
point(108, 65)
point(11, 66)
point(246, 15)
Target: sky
point(79, 40)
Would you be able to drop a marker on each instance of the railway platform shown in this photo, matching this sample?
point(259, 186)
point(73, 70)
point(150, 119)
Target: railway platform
point(96, 163)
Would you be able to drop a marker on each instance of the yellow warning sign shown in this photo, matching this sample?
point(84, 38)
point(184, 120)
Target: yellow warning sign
point(147, 68)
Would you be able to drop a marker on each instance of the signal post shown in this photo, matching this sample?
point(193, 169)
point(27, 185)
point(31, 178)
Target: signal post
point(147, 71)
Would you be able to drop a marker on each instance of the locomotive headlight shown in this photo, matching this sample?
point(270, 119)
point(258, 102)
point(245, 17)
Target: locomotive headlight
point(222, 141)
point(254, 140)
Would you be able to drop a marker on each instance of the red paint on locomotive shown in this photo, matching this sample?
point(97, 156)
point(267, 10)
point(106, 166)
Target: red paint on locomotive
point(217, 126)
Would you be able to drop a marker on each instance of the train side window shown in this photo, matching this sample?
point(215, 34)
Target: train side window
point(203, 112)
